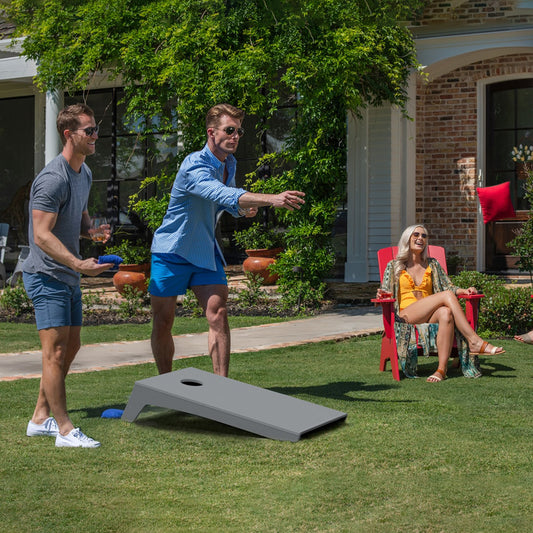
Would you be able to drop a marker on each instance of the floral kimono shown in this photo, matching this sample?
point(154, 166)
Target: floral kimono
point(406, 341)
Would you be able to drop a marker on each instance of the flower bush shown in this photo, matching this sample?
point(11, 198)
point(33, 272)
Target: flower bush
point(522, 154)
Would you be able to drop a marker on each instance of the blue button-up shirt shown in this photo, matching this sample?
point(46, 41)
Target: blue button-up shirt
point(197, 199)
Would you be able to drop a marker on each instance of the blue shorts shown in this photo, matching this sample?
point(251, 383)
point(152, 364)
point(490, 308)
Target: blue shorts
point(56, 304)
point(171, 275)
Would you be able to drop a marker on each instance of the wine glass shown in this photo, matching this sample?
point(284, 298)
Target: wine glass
point(99, 229)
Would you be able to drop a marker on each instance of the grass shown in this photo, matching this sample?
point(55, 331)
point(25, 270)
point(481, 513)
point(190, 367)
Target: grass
point(411, 456)
point(24, 337)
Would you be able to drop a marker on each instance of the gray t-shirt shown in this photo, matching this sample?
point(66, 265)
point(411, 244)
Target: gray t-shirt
point(59, 189)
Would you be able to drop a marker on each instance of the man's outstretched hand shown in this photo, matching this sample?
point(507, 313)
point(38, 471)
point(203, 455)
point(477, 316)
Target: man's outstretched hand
point(290, 200)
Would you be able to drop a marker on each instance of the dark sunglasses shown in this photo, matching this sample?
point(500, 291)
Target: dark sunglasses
point(88, 131)
point(230, 130)
point(418, 234)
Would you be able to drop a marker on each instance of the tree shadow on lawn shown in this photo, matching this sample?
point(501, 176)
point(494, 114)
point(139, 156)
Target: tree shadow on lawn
point(340, 391)
point(489, 367)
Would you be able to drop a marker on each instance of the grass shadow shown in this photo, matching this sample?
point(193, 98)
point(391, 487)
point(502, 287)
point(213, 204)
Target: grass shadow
point(339, 390)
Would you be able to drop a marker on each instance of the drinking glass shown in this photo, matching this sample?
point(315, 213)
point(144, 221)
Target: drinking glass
point(97, 231)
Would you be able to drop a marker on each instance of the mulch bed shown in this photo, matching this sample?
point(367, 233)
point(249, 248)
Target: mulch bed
point(96, 317)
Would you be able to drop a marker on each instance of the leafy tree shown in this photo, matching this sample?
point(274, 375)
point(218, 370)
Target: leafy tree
point(176, 58)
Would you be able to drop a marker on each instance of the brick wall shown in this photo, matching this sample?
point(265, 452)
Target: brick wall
point(446, 122)
point(474, 12)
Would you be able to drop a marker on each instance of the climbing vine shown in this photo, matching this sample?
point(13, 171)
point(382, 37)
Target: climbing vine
point(176, 58)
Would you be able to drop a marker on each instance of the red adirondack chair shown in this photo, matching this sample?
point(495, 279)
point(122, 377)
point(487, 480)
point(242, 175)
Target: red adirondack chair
point(388, 342)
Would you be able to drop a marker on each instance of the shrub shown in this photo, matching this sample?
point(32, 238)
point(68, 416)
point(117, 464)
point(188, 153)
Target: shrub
point(15, 300)
point(190, 303)
point(137, 253)
point(303, 267)
point(258, 237)
point(505, 311)
point(133, 303)
point(252, 294)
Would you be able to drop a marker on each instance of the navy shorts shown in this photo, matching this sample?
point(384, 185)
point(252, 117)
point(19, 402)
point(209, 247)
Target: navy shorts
point(171, 275)
point(56, 304)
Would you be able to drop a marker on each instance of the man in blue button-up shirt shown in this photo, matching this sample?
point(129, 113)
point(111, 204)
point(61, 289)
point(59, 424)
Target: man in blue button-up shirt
point(185, 253)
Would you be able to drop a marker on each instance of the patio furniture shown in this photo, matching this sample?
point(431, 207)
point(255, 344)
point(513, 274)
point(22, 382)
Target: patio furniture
point(4, 230)
point(17, 273)
point(388, 343)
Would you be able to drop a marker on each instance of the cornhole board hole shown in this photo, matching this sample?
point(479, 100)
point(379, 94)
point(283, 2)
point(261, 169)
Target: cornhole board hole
point(264, 412)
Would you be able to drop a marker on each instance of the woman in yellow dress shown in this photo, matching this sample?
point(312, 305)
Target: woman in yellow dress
point(425, 295)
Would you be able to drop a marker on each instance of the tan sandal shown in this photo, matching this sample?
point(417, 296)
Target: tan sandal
point(438, 376)
point(493, 351)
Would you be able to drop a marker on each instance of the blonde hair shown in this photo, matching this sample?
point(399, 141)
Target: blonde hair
point(400, 263)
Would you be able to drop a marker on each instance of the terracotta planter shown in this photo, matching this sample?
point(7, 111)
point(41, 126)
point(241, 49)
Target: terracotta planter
point(258, 262)
point(133, 275)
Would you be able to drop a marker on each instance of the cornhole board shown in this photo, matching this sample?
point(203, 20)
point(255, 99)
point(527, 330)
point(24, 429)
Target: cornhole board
point(264, 412)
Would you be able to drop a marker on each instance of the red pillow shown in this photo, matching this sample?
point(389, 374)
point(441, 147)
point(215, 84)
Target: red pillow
point(496, 202)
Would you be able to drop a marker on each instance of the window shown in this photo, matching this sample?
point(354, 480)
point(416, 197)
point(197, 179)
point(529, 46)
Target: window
point(16, 171)
point(509, 123)
point(122, 160)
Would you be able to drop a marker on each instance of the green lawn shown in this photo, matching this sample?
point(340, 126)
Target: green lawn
point(24, 337)
point(411, 456)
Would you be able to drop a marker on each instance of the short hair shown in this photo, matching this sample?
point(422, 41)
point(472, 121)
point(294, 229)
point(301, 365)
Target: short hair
point(68, 118)
point(215, 114)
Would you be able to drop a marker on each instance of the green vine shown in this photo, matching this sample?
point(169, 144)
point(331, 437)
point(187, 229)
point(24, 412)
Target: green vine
point(177, 58)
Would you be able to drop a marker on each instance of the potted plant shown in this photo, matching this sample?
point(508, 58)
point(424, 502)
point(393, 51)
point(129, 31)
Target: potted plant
point(523, 158)
point(135, 269)
point(262, 245)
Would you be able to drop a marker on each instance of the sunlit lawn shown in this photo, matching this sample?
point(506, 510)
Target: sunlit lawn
point(24, 337)
point(411, 456)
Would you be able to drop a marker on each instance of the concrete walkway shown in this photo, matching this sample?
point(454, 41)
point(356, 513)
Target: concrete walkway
point(342, 323)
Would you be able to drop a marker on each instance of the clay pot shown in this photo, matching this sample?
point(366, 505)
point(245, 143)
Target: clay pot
point(521, 171)
point(258, 262)
point(134, 275)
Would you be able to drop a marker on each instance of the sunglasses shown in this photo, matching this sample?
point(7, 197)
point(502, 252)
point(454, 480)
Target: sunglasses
point(88, 131)
point(418, 234)
point(230, 130)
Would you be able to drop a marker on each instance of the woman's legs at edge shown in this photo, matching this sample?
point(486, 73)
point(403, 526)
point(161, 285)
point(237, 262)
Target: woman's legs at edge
point(444, 318)
point(423, 310)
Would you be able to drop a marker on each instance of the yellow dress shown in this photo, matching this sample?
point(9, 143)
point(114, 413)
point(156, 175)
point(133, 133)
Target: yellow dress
point(407, 285)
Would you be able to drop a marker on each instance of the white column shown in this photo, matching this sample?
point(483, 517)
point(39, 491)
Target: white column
point(52, 141)
point(39, 131)
point(356, 266)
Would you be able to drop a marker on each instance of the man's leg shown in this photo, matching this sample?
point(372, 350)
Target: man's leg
point(42, 408)
point(163, 311)
point(213, 299)
point(56, 362)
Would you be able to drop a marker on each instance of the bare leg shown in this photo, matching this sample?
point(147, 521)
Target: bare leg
point(444, 318)
point(422, 310)
point(59, 350)
point(213, 299)
point(163, 311)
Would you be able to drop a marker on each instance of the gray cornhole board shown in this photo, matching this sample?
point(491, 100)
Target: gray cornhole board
point(264, 412)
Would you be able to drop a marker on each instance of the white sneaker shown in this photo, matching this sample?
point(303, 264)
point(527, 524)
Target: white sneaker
point(75, 439)
point(48, 428)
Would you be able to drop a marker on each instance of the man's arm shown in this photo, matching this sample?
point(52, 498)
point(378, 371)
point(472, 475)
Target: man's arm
point(290, 200)
point(43, 224)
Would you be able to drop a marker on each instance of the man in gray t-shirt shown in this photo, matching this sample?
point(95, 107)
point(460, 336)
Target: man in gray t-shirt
point(51, 273)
